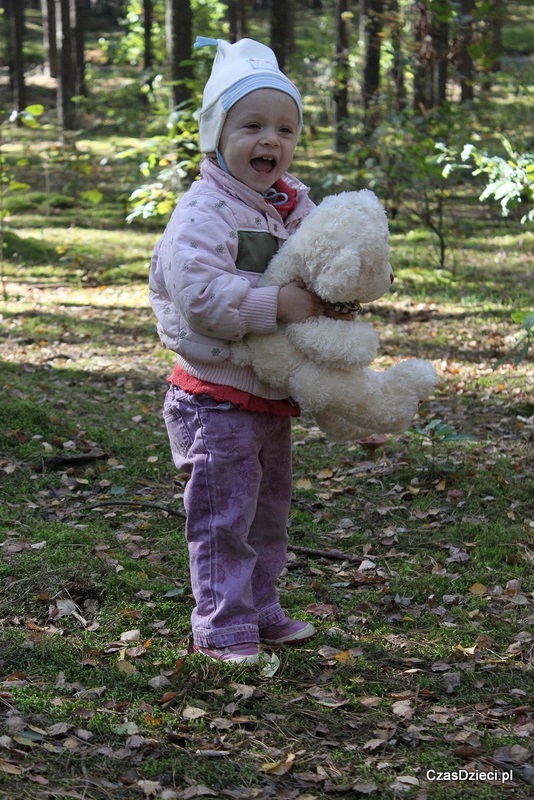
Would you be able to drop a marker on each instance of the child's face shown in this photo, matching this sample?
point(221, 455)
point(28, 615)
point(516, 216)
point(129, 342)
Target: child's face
point(259, 137)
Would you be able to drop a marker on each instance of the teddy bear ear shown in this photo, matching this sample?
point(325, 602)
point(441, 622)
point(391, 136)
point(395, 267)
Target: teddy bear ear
point(338, 280)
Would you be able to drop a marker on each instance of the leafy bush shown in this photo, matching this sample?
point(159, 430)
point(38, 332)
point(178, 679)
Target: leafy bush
point(169, 167)
point(510, 180)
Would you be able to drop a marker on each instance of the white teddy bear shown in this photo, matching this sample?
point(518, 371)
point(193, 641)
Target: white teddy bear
point(340, 252)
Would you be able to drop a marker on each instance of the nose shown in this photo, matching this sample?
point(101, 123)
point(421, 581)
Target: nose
point(270, 137)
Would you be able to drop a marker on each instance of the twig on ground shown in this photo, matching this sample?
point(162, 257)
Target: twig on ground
point(143, 503)
point(61, 460)
point(334, 555)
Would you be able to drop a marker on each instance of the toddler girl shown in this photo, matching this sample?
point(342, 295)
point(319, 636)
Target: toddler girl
point(229, 431)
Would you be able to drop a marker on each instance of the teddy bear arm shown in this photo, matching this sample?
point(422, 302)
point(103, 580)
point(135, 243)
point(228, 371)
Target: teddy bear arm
point(271, 356)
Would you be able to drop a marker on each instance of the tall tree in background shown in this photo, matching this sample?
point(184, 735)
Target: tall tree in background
point(372, 23)
point(66, 83)
point(237, 19)
point(496, 20)
point(496, 16)
point(424, 56)
point(78, 13)
point(342, 77)
point(148, 15)
point(179, 31)
point(15, 15)
point(48, 12)
point(395, 25)
point(283, 31)
point(464, 60)
point(442, 56)
point(431, 52)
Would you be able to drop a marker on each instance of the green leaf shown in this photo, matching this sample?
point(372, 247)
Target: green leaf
point(35, 110)
point(18, 186)
point(93, 196)
point(178, 592)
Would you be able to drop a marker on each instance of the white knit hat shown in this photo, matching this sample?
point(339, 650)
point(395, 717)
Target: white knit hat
point(238, 69)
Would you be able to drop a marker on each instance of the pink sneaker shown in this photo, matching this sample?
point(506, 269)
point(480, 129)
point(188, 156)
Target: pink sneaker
point(289, 631)
point(247, 653)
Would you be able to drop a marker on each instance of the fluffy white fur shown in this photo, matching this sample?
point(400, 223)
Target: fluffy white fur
point(340, 252)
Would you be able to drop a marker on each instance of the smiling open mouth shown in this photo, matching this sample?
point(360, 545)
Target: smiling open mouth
point(263, 165)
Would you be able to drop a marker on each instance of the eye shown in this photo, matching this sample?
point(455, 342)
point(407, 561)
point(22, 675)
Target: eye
point(252, 125)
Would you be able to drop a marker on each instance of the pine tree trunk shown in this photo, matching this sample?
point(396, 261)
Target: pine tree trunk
point(398, 57)
point(48, 12)
point(237, 18)
point(442, 51)
point(15, 14)
point(179, 26)
point(66, 84)
point(424, 57)
point(496, 16)
point(77, 26)
point(148, 55)
point(279, 22)
point(372, 21)
point(496, 21)
point(464, 60)
point(341, 78)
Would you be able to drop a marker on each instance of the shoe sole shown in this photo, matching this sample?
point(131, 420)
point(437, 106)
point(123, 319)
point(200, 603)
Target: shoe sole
point(253, 659)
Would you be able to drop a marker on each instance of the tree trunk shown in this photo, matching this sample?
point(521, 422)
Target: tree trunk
point(48, 12)
point(179, 27)
point(290, 33)
point(496, 16)
point(66, 83)
point(424, 57)
point(148, 55)
point(442, 51)
point(395, 22)
point(341, 78)
point(77, 26)
point(15, 14)
point(496, 21)
point(464, 60)
point(237, 18)
point(279, 23)
point(372, 21)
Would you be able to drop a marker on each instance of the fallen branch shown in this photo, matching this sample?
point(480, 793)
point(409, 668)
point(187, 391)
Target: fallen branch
point(141, 503)
point(334, 555)
point(61, 460)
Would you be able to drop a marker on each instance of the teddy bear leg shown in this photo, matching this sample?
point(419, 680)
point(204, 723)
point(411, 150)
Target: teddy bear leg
point(337, 427)
point(386, 402)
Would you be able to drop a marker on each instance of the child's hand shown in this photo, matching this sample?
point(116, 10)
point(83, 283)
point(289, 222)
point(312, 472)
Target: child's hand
point(333, 313)
point(296, 304)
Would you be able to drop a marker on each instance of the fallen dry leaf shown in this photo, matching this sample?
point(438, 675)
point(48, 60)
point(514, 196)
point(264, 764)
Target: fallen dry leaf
point(193, 712)
point(322, 609)
point(279, 767)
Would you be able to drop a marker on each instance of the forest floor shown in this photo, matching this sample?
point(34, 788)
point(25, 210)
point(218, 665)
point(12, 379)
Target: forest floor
point(414, 561)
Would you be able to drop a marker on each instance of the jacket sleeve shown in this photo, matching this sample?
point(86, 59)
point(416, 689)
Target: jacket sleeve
point(195, 272)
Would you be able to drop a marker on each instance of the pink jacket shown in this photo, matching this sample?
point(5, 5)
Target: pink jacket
point(205, 270)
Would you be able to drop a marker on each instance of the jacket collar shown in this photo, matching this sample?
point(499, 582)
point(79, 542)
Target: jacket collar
point(211, 171)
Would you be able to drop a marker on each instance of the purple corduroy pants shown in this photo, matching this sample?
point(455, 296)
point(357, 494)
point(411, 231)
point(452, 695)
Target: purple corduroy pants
point(237, 503)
